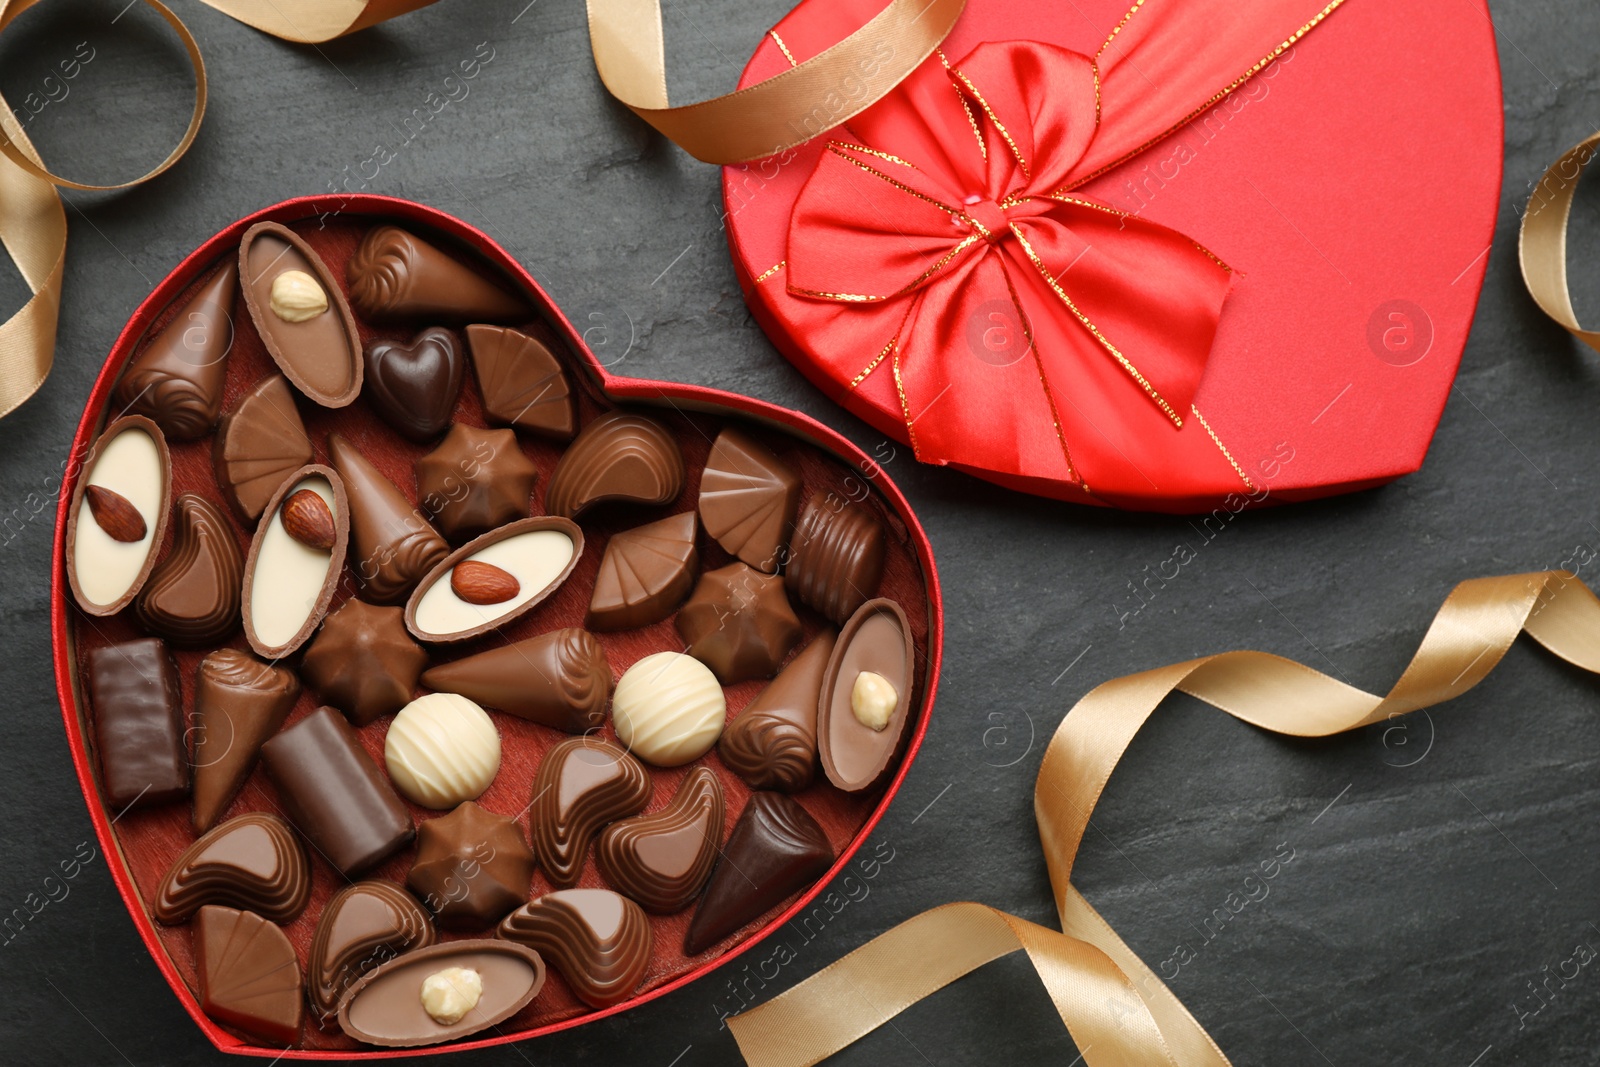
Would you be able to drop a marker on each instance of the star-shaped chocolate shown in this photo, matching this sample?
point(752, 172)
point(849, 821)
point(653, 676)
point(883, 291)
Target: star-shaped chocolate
point(472, 867)
point(475, 481)
point(739, 623)
point(363, 662)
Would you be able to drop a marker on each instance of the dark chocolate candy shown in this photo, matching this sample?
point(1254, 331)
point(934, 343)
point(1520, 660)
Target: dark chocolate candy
point(748, 498)
point(598, 940)
point(835, 556)
point(620, 456)
point(776, 849)
point(363, 661)
point(386, 1006)
point(249, 976)
point(472, 867)
point(663, 859)
point(107, 565)
point(177, 379)
point(414, 386)
point(522, 382)
point(739, 623)
point(772, 743)
point(239, 702)
point(335, 794)
point(364, 926)
point(319, 351)
point(296, 561)
point(259, 443)
point(253, 862)
point(192, 596)
point(582, 784)
point(475, 481)
point(393, 545)
point(528, 561)
point(645, 574)
point(138, 724)
point(876, 640)
point(560, 679)
point(397, 275)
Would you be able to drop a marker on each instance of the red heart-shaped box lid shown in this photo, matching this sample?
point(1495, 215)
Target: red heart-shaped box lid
point(141, 844)
point(1352, 185)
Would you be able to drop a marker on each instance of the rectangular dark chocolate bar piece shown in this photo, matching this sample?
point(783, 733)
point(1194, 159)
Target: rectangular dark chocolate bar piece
point(335, 794)
point(138, 724)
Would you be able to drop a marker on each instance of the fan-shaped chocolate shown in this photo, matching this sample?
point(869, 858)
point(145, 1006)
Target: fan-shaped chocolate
point(315, 344)
point(856, 747)
point(522, 382)
point(748, 499)
point(739, 623)
point(598, 940)
point(397, 275)
point(239, 702)
point(662, 859)
point(177, 379)
point(582, 784)
point(249, 976)
point(472, 867)
point(620, 456)
point(192, 596)
point(645, 574)
point(835, 557)
point(414, 386)
point(393, 545)
point(560, 679)
point(386, 1006)
point(258, 444)
point(364, 926)
point(363, 661)
point(107, 568)
point(253, 862)
point(475, 481)
point(772, 743)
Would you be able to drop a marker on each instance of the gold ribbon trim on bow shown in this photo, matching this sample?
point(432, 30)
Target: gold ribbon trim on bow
point(1118, 1011)
point(1542, 244)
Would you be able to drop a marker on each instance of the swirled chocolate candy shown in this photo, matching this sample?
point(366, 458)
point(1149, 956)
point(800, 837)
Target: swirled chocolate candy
point(739, 623)
point(663, 859)
point(364, 926)
point(259, 443)
point(748, 499)
point(866, 696)
point(177, 379)
point(252, 862)
point(300, 314)
point(835, 556)
point(118, 515)
point(414, 386)
point(138, 723)
point(620, 456)
point(668, 709)
point(522, 382)
point(772, 743)
point(249, 976)
point(239, 702)
point(397, 275)
point(402, 1003)
point(645, 574)
point(335, 794)
point(394, 545)
point(192, 596)
point(296, 560)
point(560, 679)
point(582, 784)
point(441, 749)
point(363, 661)
point(494, 579)
point(472, 867)
point(776, 849)
point(475, 481)
point(598, 940)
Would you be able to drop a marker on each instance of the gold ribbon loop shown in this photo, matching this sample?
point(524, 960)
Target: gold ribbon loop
point(1542, 243)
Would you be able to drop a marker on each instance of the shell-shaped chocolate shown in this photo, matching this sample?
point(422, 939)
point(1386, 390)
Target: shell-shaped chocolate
point(253, 862)
point(523, 383)
point(177, 379)
point(392, 545)
point(560, 679)
point(748, 499)
point(192, 596)
point(645, 574)
point(397, 275)
point(582, 784)
point(258, 444)
point(362, 927)
point(598, 940)
point(249, 976)
point(663, 858)
point(620, 456)
point(835, 557)
point(772, 743)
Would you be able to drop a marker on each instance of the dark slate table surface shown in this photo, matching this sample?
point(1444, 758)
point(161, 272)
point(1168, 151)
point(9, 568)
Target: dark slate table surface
point(1437, 870)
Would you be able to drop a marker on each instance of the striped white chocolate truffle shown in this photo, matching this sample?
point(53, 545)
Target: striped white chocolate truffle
point(442, 749)
point(668, 709)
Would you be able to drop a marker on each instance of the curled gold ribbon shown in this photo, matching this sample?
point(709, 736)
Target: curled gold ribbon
point(1542, 243)
point(1118, 1011)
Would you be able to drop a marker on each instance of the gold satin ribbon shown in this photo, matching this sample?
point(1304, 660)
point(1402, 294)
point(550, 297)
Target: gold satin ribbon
point(1118, 1011)
point(1542, 243)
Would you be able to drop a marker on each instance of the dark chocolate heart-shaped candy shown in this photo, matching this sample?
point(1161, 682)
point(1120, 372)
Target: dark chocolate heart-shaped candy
point(414, 386)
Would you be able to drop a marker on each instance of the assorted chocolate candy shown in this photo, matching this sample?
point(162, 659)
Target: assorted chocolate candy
point(544, 785)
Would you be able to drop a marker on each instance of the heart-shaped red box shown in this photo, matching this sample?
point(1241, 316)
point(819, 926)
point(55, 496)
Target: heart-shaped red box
point(140, 847)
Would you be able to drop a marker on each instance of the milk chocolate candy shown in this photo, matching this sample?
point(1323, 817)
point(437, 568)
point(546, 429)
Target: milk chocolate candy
point(192, 596)
point(364, 926)
point(295, 562)
point(249, 976)
point(239, 702)
point(620, 456)
point(739, 623)
point(472, 867)
point(394, 546)
point(645, 574)
point(582, 784)
point(560, 679)
point(475, 481)
point(598, 940)
point(253, 861)
point(494, 580)
point(177, 379)
point(363, 661)
point(118, 515)
point(866, 696)
point(300, 314)
point(748, 499)
point(835, 556)
point(335, 794)
point(258, 444)
point(396, 275)
point(772, 743)
point(522, 382)
point(414, 386)
point(390, 1005)
point(663, 859)
point(776, 849)
point(138, 724)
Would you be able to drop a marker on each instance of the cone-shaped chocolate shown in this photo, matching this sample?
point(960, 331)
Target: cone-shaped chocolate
point(772, 744)
point(522, 382)
point(397, 275)
point(394, 545)
point(192, 597)
point(645, 574)
point(560, 679)
point(260, 443)
point(776, 850)
point(249, 976)
point(662, 859)
point(239, 702)
point(748, 498)
point(177, 379)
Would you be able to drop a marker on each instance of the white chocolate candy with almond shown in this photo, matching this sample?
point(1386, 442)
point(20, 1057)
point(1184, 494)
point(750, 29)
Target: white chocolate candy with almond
point(442, 749)
point(130, 464)
point(668, 709)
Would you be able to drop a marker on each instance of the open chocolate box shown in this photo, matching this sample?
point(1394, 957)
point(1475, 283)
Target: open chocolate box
point(772, 464)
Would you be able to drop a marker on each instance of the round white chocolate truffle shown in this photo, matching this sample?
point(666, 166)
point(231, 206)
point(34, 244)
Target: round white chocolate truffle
point(668, 709)
point(442, 749)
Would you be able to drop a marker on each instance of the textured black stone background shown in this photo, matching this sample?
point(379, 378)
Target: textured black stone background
point(1458, 857)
